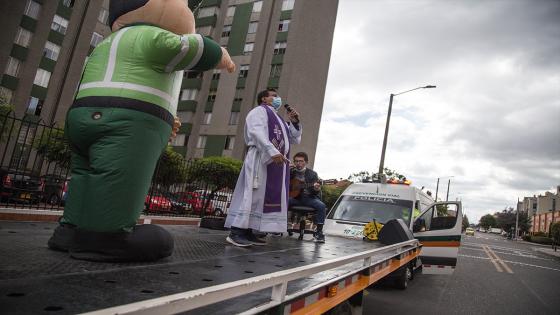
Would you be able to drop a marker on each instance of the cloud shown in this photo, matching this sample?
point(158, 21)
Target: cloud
point(494, 120)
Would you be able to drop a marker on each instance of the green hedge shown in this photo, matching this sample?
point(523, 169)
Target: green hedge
point(538, 239)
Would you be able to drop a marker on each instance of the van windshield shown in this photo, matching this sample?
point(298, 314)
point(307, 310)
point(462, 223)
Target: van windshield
point(366, 208)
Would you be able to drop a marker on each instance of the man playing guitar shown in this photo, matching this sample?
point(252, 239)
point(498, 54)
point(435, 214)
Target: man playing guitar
point(304, 191)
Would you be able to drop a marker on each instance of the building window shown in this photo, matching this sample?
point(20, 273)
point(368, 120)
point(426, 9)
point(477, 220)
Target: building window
point(283, 26)
point(234, 118)
point(230, 141)
point(23, 37)
point(212, 95)
point(207, 118)
point(226, 31)
point(103, 16)
point(185, 117)
point(201, 143)
point(59, 24)
point(208, 11)
point(51, 51)
point(32, 9)
point(248, 49)
point(188, 94)
point(280, 48)
point(253, 27)
point(6, 95)
point(180, 140)
point(34, 106)
point(243, 71)
point(230, 11)
point(287, 5)
point(257, 6)
point(191, 74)
point(96, 38)
point(238, 94)
point(275, 70)
point(12, 67)
point(204, 30)
point(216, 74)
point(42, 78)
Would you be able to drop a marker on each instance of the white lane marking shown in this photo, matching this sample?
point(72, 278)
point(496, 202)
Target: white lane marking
point(511, 262)
point(520, 254)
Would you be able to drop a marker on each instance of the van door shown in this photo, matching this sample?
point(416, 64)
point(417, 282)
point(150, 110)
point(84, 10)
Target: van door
point(439, 230)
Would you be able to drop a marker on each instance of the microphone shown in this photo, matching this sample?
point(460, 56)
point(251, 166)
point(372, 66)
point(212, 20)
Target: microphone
point(290, 109)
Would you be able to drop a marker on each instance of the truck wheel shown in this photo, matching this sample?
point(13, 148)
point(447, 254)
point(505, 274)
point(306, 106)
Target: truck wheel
point(401, 282)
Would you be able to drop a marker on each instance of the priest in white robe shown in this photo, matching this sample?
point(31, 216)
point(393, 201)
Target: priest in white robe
point(260, 199)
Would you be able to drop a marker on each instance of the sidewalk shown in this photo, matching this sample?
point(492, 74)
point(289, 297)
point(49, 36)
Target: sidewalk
point(548, 251)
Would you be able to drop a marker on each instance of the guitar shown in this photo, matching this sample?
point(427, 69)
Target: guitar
point(297, 186)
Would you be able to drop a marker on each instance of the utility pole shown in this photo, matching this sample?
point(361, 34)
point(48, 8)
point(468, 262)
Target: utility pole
point(517, 221)
point(437, 187)
point(448, 183)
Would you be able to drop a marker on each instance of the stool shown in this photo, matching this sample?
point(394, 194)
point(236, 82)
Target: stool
point(298, 217)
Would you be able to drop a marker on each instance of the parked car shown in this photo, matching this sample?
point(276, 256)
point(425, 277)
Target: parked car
point(55, 188)
point(194, 202)
point(158, 203)
point(20, 187)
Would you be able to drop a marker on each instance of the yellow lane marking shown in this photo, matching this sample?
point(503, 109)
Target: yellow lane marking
point(506, 267)
point(498, 268)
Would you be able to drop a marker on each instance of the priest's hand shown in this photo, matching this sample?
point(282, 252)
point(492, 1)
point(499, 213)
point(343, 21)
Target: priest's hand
point(279, 159)
point(293, 115)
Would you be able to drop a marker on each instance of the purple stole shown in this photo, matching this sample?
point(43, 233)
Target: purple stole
point(274, 172)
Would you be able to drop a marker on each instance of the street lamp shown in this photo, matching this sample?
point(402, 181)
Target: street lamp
point(382, 162)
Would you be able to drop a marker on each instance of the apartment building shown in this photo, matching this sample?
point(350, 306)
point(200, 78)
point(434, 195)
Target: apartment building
point(43, 49)
point(283, 44)
point(547, 211)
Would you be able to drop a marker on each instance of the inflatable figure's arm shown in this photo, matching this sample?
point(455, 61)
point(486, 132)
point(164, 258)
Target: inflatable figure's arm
point(170, 52)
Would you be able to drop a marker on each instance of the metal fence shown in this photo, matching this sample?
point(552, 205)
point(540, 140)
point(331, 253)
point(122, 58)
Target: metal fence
point(35, 173)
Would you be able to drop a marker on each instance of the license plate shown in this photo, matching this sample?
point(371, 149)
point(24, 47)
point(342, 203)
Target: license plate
point(25, 196)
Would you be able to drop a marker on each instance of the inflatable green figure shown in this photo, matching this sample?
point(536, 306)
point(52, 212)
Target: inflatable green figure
point(119, 124)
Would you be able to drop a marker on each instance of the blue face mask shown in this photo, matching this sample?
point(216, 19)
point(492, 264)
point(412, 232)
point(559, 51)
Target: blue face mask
point(276, 102)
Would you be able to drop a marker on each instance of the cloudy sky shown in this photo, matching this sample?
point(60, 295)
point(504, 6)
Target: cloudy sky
point(493, 122)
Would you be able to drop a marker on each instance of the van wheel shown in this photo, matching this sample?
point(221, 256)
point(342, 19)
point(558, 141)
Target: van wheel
point(401, 282)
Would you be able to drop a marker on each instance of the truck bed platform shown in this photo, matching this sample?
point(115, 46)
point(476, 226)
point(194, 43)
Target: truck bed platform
point(36, 280)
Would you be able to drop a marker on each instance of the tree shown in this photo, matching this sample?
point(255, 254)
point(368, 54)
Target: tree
point(487, 221)
point(366, 176)
point(506, 219)
point(218, 172)
point(7, 121)
point(465, 222)
point(170, 169)
point(53, 146)
point(330, 193)
point(524, 222)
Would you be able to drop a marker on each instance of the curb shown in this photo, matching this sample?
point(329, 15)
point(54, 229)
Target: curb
point(22, 214)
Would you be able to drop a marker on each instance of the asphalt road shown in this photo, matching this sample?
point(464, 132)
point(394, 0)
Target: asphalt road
point(518, 280)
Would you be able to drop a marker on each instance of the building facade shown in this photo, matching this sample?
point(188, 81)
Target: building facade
point(547, 211)
point(283, 44)
point(43, 49)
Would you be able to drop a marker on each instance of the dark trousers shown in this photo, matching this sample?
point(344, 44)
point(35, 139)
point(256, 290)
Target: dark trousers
point(314, 203)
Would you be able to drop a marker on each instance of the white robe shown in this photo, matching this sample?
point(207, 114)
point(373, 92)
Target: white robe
point(246, 209)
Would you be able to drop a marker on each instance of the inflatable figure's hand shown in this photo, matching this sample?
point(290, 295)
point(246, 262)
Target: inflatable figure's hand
point(176, 126)
point(226, 62)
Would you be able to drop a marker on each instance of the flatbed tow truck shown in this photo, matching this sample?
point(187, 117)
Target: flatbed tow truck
point(205, 275)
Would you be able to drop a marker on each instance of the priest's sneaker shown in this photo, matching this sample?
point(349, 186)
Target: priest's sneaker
point(238, 240)
point(255, 239)
point(319, 237)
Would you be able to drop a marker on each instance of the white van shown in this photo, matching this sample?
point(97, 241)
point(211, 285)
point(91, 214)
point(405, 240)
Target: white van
point(436, 225)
